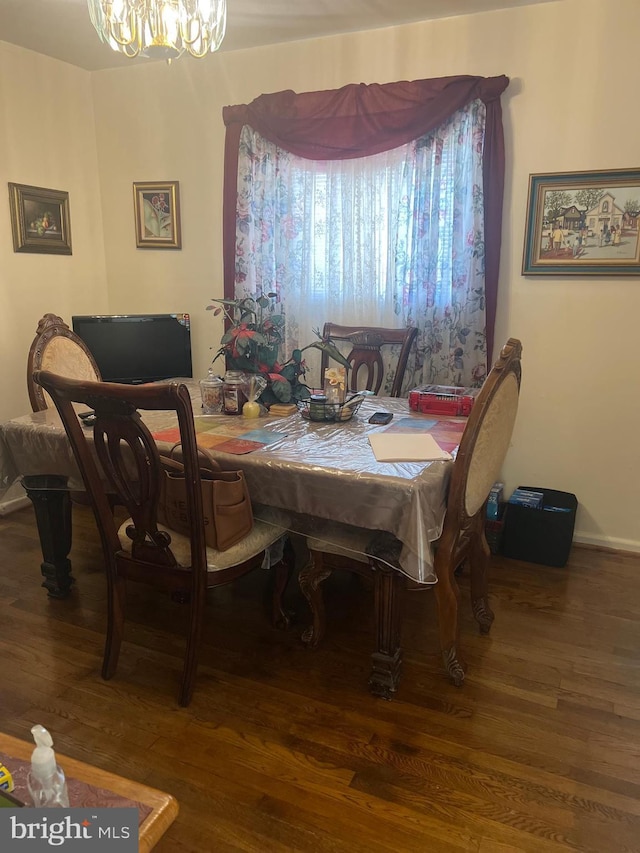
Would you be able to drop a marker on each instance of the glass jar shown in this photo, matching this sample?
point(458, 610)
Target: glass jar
point(234, 392)
point(317, 407)
point(211, 392)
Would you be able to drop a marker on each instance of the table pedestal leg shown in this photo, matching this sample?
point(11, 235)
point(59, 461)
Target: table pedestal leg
point(386, 661)
point(52, 504)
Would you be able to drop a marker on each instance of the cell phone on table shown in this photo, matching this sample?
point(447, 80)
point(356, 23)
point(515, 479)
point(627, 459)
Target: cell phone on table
point(87, 418)
point(381, 417)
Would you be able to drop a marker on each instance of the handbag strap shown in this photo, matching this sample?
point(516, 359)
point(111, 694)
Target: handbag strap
point(173, 464)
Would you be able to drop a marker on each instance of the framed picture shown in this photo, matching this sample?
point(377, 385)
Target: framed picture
point(40, 220)
point(583, 223)
point(157, 211)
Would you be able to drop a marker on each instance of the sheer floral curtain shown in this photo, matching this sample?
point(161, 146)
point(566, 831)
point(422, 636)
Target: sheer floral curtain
point(394, 237)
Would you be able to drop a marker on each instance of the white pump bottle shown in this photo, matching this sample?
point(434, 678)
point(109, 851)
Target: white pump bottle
point(46, 782)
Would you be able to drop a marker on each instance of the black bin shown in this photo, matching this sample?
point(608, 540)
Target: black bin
point(540, 535)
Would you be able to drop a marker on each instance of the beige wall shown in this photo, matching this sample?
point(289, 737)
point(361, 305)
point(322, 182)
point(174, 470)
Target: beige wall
point(47, 139)
point(569, 107)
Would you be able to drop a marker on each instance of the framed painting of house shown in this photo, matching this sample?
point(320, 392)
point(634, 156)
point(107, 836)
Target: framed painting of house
point(583, 223)
point(40, 220)
point(157, 214)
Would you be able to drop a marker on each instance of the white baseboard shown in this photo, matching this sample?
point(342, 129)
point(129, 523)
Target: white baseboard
point(611, 542)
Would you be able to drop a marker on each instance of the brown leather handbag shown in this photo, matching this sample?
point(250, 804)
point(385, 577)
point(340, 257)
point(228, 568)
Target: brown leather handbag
point(226, 503)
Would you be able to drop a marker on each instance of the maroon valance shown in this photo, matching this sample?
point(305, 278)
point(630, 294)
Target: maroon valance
point(363, 119)
point(359, 119)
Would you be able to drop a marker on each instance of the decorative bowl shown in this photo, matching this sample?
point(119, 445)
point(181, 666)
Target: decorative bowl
point(311, 410)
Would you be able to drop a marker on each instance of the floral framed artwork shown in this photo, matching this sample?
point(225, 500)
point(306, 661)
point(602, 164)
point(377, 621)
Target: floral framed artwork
point(157, 212)
point(40, 220)
point(583, 223)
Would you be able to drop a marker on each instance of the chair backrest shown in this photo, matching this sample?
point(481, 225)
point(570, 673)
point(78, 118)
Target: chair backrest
point(366, 342)
point(486, 438)
point(58, 349)
point(119, 454)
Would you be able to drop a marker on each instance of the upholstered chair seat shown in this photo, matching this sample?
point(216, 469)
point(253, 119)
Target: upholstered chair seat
point(268, 538)
point(345, 540)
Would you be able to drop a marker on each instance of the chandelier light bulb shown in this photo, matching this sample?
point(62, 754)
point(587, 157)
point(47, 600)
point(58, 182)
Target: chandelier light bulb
point(160, 29)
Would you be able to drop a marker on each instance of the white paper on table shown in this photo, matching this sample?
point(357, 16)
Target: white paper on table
point(406, 447)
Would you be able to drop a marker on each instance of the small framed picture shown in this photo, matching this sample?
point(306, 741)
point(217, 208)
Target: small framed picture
point(583, 223)
point(40, 220)
point(157, 213)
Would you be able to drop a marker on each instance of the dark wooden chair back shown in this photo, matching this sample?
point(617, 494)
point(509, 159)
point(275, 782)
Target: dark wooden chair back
point(120, 454)
point(58, 349)
point(365, 356)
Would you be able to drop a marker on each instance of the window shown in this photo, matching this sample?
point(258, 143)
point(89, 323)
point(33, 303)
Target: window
point(393, 239)
point(418, 242)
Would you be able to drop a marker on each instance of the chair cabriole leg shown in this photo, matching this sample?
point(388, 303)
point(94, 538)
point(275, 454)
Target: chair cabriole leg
point(447, 595)
point(479, 555)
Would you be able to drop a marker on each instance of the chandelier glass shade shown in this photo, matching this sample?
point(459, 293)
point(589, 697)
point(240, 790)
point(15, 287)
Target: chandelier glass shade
point(160, 29)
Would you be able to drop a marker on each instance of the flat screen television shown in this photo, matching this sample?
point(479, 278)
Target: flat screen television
point(137, 348)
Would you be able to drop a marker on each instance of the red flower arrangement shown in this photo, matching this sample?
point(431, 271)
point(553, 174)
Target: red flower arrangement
point(251, 343)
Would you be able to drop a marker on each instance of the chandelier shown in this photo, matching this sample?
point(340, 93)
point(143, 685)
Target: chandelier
point(160, 29)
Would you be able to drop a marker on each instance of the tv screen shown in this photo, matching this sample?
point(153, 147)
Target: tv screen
point(137, 348)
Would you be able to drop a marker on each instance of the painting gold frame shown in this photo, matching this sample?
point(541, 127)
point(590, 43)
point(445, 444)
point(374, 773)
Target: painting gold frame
point(40, 220)
point(157, 214)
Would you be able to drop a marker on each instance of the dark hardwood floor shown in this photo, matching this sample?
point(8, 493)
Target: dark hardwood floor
point(284, 749)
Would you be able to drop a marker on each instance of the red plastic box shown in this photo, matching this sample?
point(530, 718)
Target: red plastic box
point(443, 400)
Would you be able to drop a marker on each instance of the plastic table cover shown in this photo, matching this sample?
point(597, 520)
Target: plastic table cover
point(318, 472)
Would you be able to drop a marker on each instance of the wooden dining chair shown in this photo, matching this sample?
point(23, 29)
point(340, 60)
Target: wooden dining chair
point(477, 465)
point(58, 349)
point(366, 356)
point(120, 452)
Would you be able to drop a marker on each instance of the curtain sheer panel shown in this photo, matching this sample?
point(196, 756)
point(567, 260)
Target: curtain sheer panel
point(378, 204)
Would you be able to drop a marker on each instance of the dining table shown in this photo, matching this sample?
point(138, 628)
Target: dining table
point(318, 473)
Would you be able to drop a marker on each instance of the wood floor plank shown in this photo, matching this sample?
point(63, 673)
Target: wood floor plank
point(284, 749)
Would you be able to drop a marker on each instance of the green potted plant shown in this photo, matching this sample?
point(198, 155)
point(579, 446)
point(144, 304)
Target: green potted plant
point(251, 343)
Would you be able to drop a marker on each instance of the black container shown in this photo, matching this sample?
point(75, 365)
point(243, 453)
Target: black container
point(540, 535)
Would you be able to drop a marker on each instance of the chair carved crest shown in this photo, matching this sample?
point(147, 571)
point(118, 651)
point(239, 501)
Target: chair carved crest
point(366, 357)
point(367, 340)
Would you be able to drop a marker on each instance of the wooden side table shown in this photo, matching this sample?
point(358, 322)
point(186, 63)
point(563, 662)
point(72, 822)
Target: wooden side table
point(95, 787)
